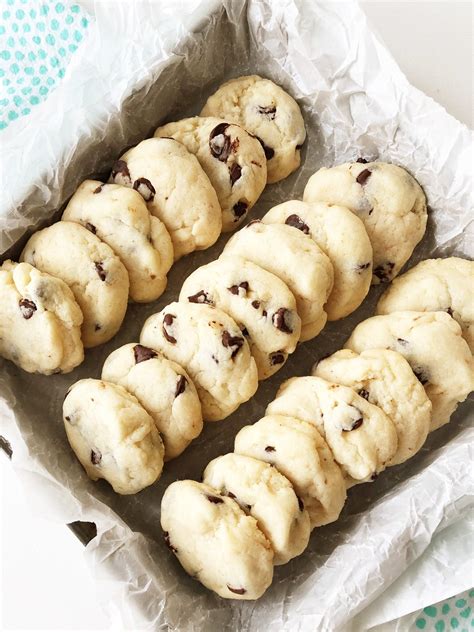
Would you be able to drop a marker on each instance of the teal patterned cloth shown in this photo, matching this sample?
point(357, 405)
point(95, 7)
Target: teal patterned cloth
point(37, 41)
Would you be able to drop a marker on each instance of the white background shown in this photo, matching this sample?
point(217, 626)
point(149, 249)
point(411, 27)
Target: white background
point(44, 583)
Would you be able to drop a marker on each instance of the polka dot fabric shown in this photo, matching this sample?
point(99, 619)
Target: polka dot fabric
point(454, 614)
point(37, 40)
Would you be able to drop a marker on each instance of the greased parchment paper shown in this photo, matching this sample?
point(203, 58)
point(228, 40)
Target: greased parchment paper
point(145, 63)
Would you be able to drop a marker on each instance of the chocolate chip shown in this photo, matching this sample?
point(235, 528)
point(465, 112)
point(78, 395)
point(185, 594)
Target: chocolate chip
point(384, 271)
point(237, 591)
point(363, 176)
point(363, 393)
point(421, 375)
point(167, 322)
point(27, 308)
point(255, 304)
point(145, 188)
point(355, 424)
point(269, 152)
point(300, 503)
point(276, 358)
point(235, 171)
point(91, 227)
point(142, 353)
point(362, 266)
point(264, 313)
point(449, 311)
point(120, 173)
point(362, 161)
point(232, 341)
point(166, 537)
point(96, 457)
point(100, 270)
point(181, 385)
point(200, 297)
point(214, 499)
point(270, 448)
point(239, 209)
point(219, 142)
point(269, 111)
point(402, 342)
point(235, 289)
point(279, 320)
point(67, 418)
point(297, 222)
point(98, 190)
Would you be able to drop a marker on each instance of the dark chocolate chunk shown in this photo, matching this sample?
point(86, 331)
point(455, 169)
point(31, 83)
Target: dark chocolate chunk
point(91, 227)
point(239, 209)
point(269, 111)
point(166, 536)
point(232, 341)
point(167, 322)
point(96, 457)
point(255, 304)
point(276, 358)
point(363, 393)
point(235, 171)
point(296, 221)
point(120, 173)
point(200, 297)
point(269, 152)
point(279, 320)
point(384, 271)
point(100, 270)
point(97, 190)
point(362, 161)
point(145, 188)
point(300, 503)
point(142, 353)
point(234, 289)
point(27, 308)
point(356, 424)
point(214, 499)
point(363, 176)
point(181, 385)
point(270, 448)
point(237, 591)
point(219, 142)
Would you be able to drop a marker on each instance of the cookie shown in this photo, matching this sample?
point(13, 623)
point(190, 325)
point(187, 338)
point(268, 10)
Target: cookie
point(176, 190)
point(266, 110)
point(387, 199)
point(301, 454)
point(259, 302)
point(266, 495)
point(120, 218)
point(341, 235)
point(112, 435)
point(163, 388)
point(215, 541)
point(384, 378)
point(96, 276)
point(233, 160)
point(432, 344)
point(360, 435)
point(212, 349)
point(436, 285)
point(297, 260)
point(40, 321)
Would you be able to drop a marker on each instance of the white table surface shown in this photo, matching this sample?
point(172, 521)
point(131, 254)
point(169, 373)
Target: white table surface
point(44, 582)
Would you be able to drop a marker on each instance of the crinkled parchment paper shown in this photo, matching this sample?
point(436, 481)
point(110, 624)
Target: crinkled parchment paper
point(147, 63)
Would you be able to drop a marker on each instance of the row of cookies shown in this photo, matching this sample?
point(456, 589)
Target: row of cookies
point(365, 408)
point(165, 198)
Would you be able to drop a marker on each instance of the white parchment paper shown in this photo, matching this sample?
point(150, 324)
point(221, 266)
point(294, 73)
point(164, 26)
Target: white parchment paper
point(146, 63)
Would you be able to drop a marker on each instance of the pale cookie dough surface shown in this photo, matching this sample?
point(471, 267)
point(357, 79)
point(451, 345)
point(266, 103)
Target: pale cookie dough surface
point(436, 285)
point(176, 190)
point(233, 160)
point(259, 302)
point(163, 388)
point(385, 379)
point(215, 541)
point(112, 435)
point(387, 199)
point(300, 453)
point(266, 110)
point(211, 348)
point(341, 235)
point(119, 217)
point(435, 349)
point(266, 495)
point(40, 321)
point(360, 435)
point(297, 260)
point(96, 276)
